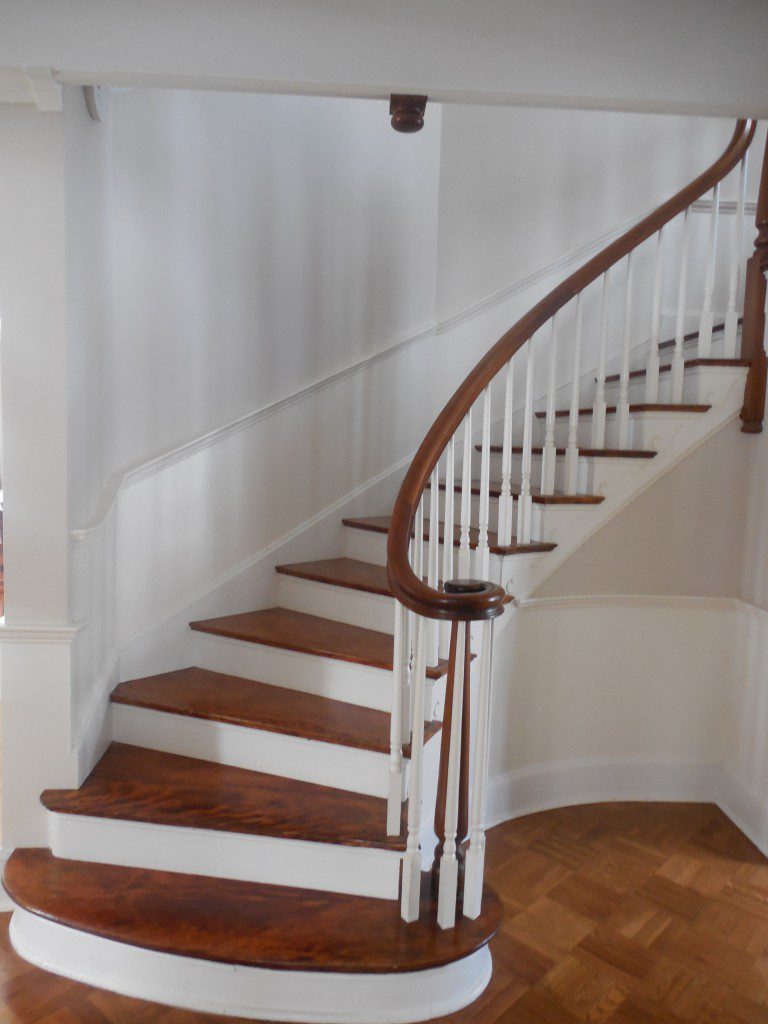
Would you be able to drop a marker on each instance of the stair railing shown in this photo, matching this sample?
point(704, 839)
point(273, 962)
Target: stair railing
point(434, 619)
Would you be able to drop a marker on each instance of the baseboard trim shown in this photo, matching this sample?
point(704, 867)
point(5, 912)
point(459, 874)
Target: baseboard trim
point(544, 787)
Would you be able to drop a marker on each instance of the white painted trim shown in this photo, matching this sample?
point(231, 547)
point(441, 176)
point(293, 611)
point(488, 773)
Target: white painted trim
point(543, 787)
point(139, 470)
point(639, 600)
point(30, 85)
point(36, 634)
point(249, 992)
point(724, 206)
point(358, 871)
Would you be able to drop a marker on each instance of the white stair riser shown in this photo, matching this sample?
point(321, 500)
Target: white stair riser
point(254, 993)
point(326, 764)
point(331, 867)
point(701, 385)
point(326, 677)
point(372, 547)
point(356, 607)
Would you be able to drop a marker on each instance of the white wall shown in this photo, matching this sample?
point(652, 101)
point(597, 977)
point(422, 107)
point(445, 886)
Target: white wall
point(661, 55)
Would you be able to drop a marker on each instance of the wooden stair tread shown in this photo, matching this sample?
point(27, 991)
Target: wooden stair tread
point(342, 572)
point(606, 453)
point(135, 784)
point(380, 524)
point(689, 364)
point(692, 335)
point(199, 693)
point(247, 924)
point(558, 498)
point(635, 407)
point(310, 634)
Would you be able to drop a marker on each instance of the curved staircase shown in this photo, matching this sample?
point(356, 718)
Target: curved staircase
point(242, 845)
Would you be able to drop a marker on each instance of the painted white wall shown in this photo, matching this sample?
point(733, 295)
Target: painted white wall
point(659, 55)
point(35, 636)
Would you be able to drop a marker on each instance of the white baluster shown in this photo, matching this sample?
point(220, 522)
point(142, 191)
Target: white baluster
point(599, 406)
point(623, 402)
point(572, 450)
point(707, 317)
point(475, 863)
point(433, 561)
point(411, 880)
point(448, 530)
point(506, 501)
point(524, 503)
point(449, 864)
point(652, 366)
point(396, 776)
point(549, 456)
point(737, 244)
point(418, 540)
point(678, 360)
point(482, 555)
point(466, 500)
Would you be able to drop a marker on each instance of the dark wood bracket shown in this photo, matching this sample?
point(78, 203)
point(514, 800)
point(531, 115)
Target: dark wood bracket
point(407, 112)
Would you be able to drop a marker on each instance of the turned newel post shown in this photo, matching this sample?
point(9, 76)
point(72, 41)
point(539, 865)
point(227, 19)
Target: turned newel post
point(753, 330)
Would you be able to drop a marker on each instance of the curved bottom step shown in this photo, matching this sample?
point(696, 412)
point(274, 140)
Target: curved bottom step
point(250, 992)
point(245, 949)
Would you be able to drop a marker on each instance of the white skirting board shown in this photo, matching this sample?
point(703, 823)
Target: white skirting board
point(250, 992)
point(544, 787)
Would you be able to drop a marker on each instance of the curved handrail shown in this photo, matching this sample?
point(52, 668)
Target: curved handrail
point(488, 602)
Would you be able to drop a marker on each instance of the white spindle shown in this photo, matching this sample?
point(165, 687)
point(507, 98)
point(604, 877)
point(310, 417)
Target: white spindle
point(449, 864)
point(731, 316)
point(466, 500)
point(652, 366)
point(433, 561)
point(506, 501)
point(678, 360)
point(418, 540)
point(448, 530)
point(524, 503)
point(482, 555)
point(549, 456)
point(572, 450)
point(411, 880)
point(396, 787)
point(623, 402)
point(707, 317)
point(598, 409)
point(475, 863)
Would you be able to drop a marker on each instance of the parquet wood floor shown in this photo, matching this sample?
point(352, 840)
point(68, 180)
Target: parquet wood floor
point(615, 914)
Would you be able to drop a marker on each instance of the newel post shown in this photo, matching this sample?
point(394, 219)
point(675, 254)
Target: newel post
point(753, 330)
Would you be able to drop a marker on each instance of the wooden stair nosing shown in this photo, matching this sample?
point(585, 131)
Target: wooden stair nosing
point(538, 499)
point(245, 924)
point(604, 453)
point(215, 697)
point(692, 335)
point(688, 365)
point(310, 634)
point(136, 784)
point(634, 407)
point(349, 573)
point(380, 524)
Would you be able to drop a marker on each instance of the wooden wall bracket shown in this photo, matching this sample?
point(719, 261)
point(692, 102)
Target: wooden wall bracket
point(407, 112)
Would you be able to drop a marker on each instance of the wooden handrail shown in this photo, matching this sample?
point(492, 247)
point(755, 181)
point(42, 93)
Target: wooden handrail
point(753, 332)
point(477, 601)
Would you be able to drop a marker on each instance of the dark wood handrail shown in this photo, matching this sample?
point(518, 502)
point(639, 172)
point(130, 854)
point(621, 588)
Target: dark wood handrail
point(753, 332)
point(488, 602)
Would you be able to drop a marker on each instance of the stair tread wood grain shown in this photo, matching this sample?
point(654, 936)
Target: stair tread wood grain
point(241, 923)
point(135, 784)
point(604, 453)
point(342, 572)
point(558, 498)
point(689, 365)
point(216, 697)
point(310, 634)
point(380, 524)
point(635, 407)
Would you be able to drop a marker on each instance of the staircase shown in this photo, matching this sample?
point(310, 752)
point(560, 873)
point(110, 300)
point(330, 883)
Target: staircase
point(292, 829)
